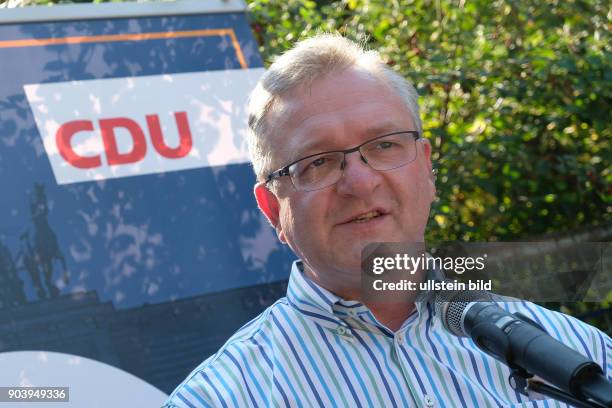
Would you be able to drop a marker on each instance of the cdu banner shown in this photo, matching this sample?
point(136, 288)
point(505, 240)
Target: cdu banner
point(131, 246)
point(120, 127)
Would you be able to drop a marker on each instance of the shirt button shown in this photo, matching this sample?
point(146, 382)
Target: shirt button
point(429, 400)
point(341, 330)
point(400, 338)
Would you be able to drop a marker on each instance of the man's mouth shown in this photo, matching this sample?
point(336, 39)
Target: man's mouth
point(367, 216)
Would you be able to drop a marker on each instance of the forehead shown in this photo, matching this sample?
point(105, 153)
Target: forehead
point(338, 111)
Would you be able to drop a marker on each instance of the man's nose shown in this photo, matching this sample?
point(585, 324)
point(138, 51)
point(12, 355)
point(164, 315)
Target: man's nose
point(358, 178)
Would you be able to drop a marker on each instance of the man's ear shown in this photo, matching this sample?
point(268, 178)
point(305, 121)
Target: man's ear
point(432, 172)
point(268, 204)
point(427, 153)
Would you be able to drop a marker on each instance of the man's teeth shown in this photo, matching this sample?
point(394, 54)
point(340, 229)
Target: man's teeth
point(367, 216)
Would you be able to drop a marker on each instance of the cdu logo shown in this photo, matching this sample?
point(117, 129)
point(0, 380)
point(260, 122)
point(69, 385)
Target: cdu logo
point(121, 127)
point(137, 139)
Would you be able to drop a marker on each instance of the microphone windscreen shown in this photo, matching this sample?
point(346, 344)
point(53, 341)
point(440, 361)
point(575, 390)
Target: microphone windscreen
point(450, 306)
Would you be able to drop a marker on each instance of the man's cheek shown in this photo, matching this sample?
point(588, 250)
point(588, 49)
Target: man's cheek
point(286, 225)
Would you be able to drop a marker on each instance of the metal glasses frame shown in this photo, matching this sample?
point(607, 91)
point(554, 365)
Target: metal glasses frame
point(284, 171)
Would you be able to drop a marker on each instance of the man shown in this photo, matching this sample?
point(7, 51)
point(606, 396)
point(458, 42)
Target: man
point(337, 147)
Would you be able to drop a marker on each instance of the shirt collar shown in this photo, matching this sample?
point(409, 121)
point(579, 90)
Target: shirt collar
point(329, 309)
point(303, 290)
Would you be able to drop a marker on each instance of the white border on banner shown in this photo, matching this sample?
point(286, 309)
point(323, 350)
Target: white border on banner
point(63, 12)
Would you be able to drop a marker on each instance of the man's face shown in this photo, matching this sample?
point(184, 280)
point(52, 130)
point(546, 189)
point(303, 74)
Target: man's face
point(338, 112)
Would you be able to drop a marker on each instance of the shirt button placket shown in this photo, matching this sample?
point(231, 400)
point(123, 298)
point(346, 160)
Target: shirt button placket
point(411, 381)
point(345, 332)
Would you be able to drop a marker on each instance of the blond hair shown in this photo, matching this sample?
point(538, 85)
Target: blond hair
point(307, 61)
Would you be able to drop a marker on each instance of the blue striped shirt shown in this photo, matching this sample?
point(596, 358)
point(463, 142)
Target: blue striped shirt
point(314, 349)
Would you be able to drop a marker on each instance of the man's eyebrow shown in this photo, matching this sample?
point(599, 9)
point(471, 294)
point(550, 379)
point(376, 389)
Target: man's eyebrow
point(382, 128)
point(312, 146)
point(317, 145)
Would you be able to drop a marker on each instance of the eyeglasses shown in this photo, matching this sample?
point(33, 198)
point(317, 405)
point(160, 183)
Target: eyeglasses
point(317, 171)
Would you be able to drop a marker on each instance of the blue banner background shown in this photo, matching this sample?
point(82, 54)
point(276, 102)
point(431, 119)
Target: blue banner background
point(147, 256)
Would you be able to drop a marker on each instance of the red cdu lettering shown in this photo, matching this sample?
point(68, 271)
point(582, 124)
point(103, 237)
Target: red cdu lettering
point(63, 139)
point(114, 157)
point(157, 138)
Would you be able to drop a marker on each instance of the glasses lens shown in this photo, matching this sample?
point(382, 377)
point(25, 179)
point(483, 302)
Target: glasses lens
point(390, 152)
point(316, 172)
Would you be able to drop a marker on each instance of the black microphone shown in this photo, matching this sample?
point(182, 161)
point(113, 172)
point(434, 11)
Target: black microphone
point(522, 344)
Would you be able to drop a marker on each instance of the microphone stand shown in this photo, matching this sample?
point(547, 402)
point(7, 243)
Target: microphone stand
point(521, 381)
